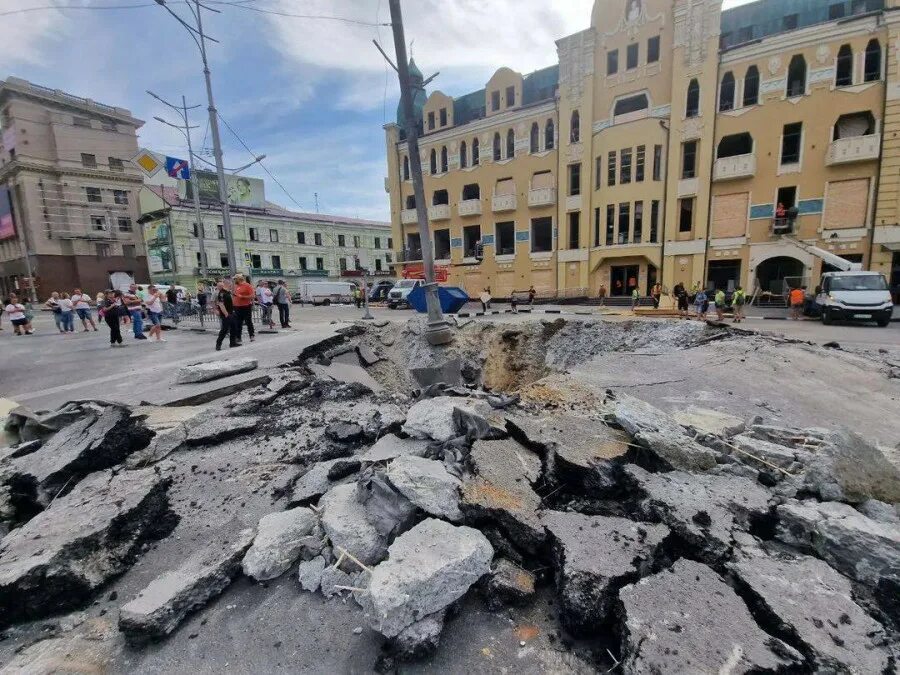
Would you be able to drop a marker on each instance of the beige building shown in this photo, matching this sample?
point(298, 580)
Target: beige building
point(73, 191)
point(673, 142)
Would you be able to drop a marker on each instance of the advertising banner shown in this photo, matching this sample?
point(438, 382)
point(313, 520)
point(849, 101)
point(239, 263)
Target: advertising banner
point(242, 191)
point(7, 221)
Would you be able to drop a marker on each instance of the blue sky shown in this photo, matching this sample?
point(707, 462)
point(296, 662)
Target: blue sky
point(310, 94)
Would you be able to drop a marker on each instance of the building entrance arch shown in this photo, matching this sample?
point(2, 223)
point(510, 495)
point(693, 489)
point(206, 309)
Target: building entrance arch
point(771, 273)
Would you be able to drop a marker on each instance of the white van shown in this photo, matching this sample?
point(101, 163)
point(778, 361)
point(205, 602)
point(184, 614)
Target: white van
point(855, 296)
point(324, 292)
point(399, 294)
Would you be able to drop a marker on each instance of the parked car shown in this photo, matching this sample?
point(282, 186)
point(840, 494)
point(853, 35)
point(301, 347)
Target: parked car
point(399, 294)
point(324, 292)
point(855, 296)
point(379, 290)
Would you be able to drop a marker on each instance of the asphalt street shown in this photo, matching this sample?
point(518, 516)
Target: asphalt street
point(46, 369)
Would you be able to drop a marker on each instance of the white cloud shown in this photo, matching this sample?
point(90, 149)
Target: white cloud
point(25, 38)
point(461, 33)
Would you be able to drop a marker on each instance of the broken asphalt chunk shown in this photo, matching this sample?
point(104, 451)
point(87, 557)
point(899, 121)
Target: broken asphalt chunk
point(214, 370)
point(702, 509)
point(348, 526)
point(428, 568)
point(436, 418)
point(390, 446)
point(219, 429)
point(167, 600)
point(509, 584)
point(501, 492)
point(805, 599)
point(659, 433)
point(686, 619)
point(318, 479)
point(279, 542)
point(92, 443)
point(594, 557)
point(427, 484)
point(59, 558)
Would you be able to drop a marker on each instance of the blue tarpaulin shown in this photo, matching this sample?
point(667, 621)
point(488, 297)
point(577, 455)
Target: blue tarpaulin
point(452, 299)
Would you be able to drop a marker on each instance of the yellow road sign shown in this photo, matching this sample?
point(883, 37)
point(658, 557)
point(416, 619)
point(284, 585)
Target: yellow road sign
point(148, 162)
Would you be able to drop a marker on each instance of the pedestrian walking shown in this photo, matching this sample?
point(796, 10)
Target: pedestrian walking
point(99, 301)
point(67, 313)
point(171, 306)
point(155, 312)
point(132, 303)
point(243, 306)
point(485, 299)
point(17, 316)
point(531, 295)
point(113, 309)
point(635, 298)
point(656, 294)
point(227, 320)
point(283, 300)
point(797, 297)
point(701, 304)
point(719, 300)
point(681, 298)
point(53, 305)
point(265, 298)
point(82, 303)
point(202, 299)
point(738, 300)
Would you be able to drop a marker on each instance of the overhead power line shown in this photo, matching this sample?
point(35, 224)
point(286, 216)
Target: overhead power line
point(275, 12)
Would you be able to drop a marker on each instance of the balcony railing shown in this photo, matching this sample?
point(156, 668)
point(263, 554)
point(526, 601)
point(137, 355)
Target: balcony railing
point(439, 212)
point(854, 149)
point(469, 207)
point(409, 255)
point(408, 216)
point(732, 168)
point(501, 203)
point(542, 196)
point(783, 224)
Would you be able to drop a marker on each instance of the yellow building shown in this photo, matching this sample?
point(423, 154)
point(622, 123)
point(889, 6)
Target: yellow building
point(673, 142)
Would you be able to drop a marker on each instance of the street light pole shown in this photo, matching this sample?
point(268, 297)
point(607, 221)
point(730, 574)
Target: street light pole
point(196, 33)
point(438, 330)
point(201, 234)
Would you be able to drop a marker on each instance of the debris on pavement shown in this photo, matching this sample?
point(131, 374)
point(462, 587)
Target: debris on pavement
point(214, 370)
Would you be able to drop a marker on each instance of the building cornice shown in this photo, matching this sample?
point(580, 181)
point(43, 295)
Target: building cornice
point(16, 167)
point(15, 87)
point(500, 119)
point(801, 38)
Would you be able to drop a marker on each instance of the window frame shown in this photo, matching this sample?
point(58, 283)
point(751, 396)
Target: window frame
point(632, 56)
point(653, 44)
point(689, 151)
point(612, 62)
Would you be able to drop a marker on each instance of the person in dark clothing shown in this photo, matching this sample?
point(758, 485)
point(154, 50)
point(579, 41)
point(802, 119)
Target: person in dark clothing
point(113, 309)
point(681, 296)
point(283, 300)
point(202, 299)
point(228, 324)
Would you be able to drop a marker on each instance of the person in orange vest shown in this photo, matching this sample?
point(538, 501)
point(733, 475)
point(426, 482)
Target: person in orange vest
point(797, 297)
point(243, 306)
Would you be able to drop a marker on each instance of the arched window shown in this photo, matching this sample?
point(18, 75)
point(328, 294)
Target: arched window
point(796, 81)
point(497, 155)
point(872, 70)
point(405, 167)
point(549, 133)
point(463, 161)
point(475, 156)
point(535, 144)
point(444, 161)
point(575, 133)
point(726, 92)
point(751, 86)
point(433, 162)
point(510, 144)
point(844, 72)
point(692, 108)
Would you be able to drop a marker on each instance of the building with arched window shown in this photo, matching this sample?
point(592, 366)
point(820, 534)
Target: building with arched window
point(660, 146)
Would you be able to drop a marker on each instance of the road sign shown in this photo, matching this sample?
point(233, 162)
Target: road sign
point(178, 168)
point(148, 162)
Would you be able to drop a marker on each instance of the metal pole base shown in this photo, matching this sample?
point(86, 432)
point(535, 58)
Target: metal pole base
point(438, 333)
point(368, 315)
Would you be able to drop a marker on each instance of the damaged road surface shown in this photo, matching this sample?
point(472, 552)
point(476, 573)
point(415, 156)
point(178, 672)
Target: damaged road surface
point(500, 507)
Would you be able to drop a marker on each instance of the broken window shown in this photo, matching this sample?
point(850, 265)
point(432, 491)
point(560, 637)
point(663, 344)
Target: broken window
point(625, 166)
point(624, 222)
point(872, 70)
point(497, 148)
point(631, 56)
point(534, 144)
point(443, 117)
point(495, 101)
point(549, 135)
point(463, 161)
point(844, 70)
point(612, 62)
point(735, 145)
point(657, 162)
point(475, 156)
point(442, 244)
point(791, 143)
point(639, 164)
point(610, 224)
point(597, 226)
point(686, 214)
point(541, 235)
point(726, 92)
point(471, 240)
point(654, 221)
point(854, 124)
point(440, 197)
point(653, 49)
point(410, 204)
point(471, 191)
point(575, 125)
point(405, 167)
point(433, 163)
point(638, 222)
point(631, 104)
point(796, 80)
point(611, 168)
point(444, 160)
point(505, 237)
point(692, 106)
point(510, 97)
point(574, 229)
point(574, 179)
point(751, 86)
point(689, 159)
point(510, 144)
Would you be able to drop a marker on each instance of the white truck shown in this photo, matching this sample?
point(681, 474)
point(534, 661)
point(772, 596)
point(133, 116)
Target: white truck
point(855, 296)
point(399, 294)
point(324, 292)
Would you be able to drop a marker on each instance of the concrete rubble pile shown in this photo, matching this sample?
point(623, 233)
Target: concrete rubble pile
point(693, 541)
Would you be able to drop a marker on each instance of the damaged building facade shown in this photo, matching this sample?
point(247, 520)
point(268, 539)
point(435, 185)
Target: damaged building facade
point(660, 147)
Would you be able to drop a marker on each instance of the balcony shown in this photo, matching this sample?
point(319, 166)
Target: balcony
point(439, 212)
point(501, 203)
point(542, 196)
point(408, 255)
point(732, 168)
point(469, 207)
point(409, 217)
point(854, 149)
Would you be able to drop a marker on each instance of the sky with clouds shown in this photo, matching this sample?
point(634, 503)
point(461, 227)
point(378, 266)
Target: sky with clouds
point(311, 94)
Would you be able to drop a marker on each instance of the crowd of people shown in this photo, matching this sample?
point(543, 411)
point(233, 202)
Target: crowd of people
point(232, 303)
point(703, 300)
